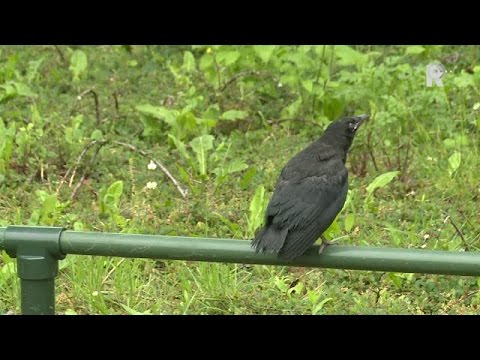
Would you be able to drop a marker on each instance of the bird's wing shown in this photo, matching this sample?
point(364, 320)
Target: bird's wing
point(317, 160)
point(296, 202)
point(304, 209)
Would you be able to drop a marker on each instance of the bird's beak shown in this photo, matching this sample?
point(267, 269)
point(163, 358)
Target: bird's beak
point(360, 119)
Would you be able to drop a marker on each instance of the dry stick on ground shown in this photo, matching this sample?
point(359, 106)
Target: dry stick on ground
point(80, 182)
point(370, 150)
point(457, 230)
point(100, 144)
point(237, 76)
point(95, 98)
point(115, 99)
point(182, 191)
point(73, 169)
point(405, 163)
point(459, 233)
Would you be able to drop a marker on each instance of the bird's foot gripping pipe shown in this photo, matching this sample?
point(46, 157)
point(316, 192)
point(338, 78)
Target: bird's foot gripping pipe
point(324, 244)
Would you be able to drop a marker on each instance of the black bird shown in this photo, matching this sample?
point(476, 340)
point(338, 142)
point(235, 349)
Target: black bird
point(310, 192)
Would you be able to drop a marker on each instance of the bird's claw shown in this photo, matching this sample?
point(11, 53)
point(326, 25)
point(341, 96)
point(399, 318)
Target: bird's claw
point(324, 244)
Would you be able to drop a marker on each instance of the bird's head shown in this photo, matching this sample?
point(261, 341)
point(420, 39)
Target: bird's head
point(344, 130)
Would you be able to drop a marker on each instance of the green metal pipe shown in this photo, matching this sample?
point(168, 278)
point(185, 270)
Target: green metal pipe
point(239, 251)
point(37, 251)
point(38, 297)
point(37, 282)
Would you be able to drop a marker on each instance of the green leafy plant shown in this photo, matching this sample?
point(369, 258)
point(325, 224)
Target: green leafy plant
point(49, 211)
point(454, 162)
point(257, 208)
point(381, 181)
point(7, 136)
point(201, 145)
point(110, 201)
point(78, 64)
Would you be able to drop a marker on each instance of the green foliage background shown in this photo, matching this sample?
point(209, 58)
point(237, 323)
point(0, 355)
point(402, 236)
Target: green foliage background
point(80, 124)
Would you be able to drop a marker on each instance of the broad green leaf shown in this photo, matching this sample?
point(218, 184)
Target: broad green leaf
point(247, 178)
point(459, 140)
point(350, 56)
point(257, 209)
point(112, 196)
point(78, 64)
point(213, 112)
point(264, 52)
point(395, 235)
point(78, 226)
point(464, 80)
point(200, 146)
point(34, 218)
point(333, 108)
point(280, 284)
point(206, 62)
point(320, 305)
point(234, 115)
point(116, 189)
point(349, 222)
point(159, 112)
point(291, 110)
point(396, 280)
point(297, 289)
point(41, 195)
point(381, 181)
point(24, 90)
point(10, 91)
point(235, 166)
point(188, 62)
point(48, 210)
point(97, 135)
point(180, 146)
point(308, 85)
point(454, 162)
point(227, 58)
point(414, 50)
point(332, 230)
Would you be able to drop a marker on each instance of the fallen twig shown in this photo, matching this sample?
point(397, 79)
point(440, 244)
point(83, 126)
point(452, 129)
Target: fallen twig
point(95, 98)
point(80, 182)
point(131, 147)
point(237, 76)
point(100, 144)
point(73, 169)
point(115, 99)
point(458, 231)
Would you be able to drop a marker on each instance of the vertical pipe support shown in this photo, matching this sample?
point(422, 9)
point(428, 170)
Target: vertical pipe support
point(37, 250)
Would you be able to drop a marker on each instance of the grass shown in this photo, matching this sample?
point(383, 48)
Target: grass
point(419, 209)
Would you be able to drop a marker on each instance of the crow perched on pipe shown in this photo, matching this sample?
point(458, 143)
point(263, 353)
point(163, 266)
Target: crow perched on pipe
point(310, 192)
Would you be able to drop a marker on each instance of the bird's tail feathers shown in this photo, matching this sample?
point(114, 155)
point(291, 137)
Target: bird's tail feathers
point(269, 239)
